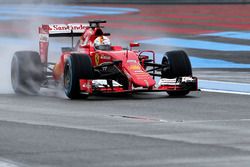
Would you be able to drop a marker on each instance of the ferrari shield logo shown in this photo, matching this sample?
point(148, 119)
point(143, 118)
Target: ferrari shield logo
point(97, 59)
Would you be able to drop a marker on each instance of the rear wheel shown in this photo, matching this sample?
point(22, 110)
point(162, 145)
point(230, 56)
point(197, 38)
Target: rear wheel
point(178, 66)
point(77, 66)
point(26, 72)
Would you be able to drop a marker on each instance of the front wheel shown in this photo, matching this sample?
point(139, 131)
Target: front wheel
point(77, 66)
point(178, 65)
point(178, 93)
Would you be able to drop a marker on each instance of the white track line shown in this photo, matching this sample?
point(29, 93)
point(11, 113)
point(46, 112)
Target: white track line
point(227, 92)
point(224, 87)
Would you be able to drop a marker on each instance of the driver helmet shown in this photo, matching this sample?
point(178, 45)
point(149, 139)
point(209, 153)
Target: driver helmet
point(102, 43)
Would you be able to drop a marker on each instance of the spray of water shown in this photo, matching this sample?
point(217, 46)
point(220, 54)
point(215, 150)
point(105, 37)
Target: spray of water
point(25, 38)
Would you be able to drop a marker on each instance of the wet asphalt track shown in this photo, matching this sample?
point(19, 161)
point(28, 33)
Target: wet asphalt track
point(147, 130)
point(203, 129)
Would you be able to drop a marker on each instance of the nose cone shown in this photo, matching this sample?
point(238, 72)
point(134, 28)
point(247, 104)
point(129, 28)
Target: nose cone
point(139, 76)
point(145, 81)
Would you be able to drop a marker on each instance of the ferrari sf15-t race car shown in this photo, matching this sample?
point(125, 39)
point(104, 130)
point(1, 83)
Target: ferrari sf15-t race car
point(85, 70)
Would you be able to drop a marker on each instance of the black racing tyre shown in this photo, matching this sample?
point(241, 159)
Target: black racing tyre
point(77, 66)
point(26, 72)
point(178, 93)
point(179, 66)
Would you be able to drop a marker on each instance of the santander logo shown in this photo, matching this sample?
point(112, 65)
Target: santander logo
point(67, 27)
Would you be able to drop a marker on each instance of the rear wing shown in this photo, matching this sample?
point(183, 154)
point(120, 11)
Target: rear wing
point(68, 30)
point(63, 30)
point(58, 30)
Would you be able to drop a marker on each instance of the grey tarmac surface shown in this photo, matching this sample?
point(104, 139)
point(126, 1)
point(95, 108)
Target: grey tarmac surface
point(202, 129)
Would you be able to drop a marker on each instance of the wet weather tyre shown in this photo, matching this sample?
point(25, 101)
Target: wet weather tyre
point(178, 66)
point(77, 66)
point(178, 93)
point(26, 72)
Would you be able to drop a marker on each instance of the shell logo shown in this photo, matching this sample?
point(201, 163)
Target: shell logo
point(135, 67)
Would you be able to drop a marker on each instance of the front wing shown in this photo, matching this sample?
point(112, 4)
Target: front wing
point(164, 84)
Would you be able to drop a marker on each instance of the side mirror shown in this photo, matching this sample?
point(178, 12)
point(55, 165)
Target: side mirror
point(132, 44)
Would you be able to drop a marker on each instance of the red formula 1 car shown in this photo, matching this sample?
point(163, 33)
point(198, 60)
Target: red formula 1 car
point(86, 70)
